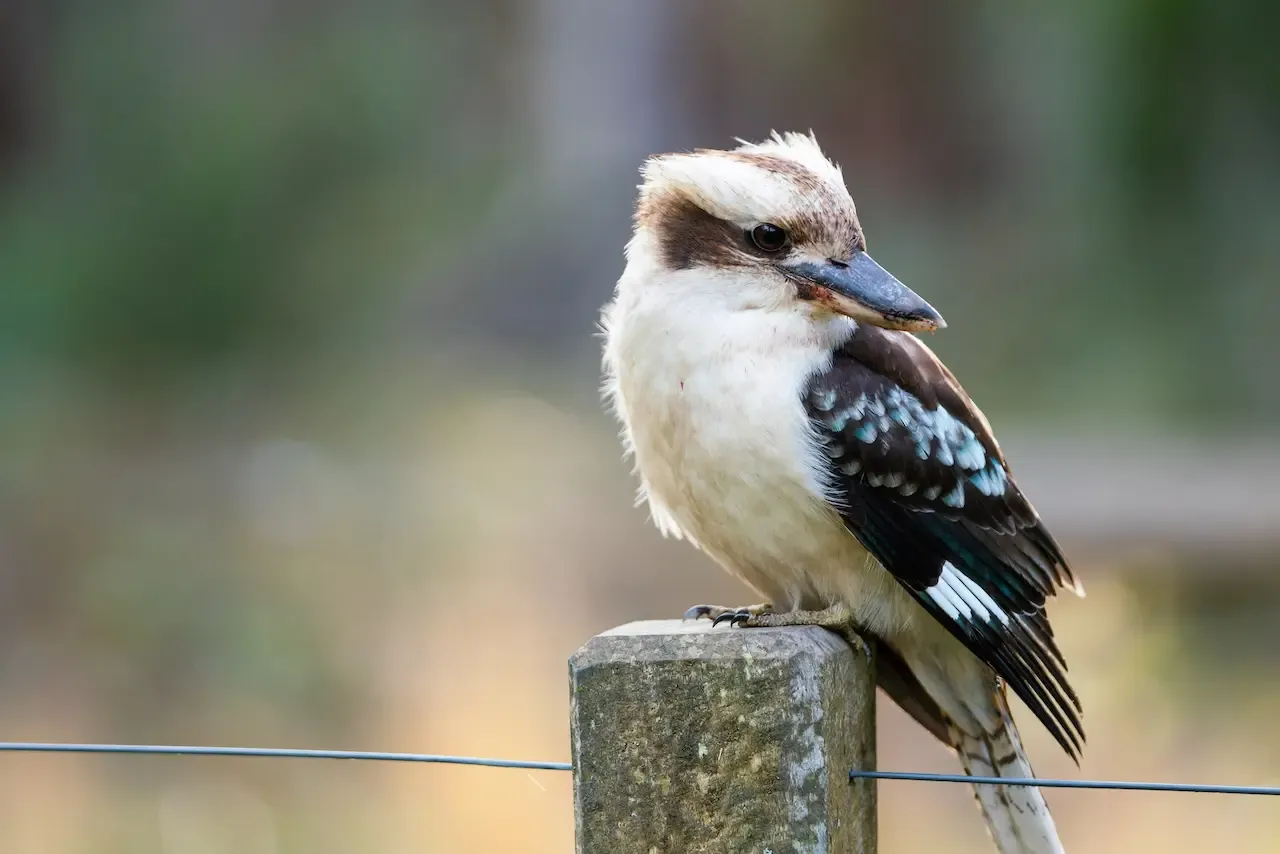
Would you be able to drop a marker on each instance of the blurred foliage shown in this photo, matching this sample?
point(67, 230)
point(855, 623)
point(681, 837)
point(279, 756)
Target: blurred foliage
point(1197, 82)
point(189, 208)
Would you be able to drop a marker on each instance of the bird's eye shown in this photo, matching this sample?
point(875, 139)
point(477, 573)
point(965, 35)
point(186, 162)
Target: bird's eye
point(768, 237)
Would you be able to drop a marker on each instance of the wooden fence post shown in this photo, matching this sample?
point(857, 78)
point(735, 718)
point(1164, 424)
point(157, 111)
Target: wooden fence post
point(693, 740)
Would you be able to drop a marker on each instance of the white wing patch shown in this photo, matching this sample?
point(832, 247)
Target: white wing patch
point(959, 596)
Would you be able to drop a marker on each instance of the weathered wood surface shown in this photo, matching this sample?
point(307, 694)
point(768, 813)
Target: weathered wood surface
point(691, 740)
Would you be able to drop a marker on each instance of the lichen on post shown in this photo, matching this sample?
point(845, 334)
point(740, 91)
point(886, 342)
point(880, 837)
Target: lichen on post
point(689, 739)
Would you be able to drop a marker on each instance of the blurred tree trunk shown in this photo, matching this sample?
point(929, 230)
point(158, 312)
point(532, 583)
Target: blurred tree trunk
point(22, 41)
point(599, 94)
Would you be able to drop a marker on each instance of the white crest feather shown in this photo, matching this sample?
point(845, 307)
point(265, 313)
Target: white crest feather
point(735, 189)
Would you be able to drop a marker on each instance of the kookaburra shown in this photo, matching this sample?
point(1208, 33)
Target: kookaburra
point(784, 419)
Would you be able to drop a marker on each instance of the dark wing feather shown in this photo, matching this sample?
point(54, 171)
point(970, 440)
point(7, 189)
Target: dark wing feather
point(928, 492)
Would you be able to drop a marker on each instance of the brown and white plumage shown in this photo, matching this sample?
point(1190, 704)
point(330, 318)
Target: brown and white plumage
point(784, 420)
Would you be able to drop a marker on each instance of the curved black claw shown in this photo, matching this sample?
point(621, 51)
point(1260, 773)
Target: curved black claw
point(697, 612)
point(733, 618)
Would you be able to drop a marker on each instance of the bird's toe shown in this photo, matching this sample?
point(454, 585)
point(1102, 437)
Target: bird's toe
point(719, 613)
point(738, 617)
point(730, 617)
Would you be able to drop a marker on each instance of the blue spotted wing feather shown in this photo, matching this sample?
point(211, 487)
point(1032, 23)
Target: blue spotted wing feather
point(925, 488)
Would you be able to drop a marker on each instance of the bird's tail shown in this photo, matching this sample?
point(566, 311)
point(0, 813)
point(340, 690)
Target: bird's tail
point(1017, 816)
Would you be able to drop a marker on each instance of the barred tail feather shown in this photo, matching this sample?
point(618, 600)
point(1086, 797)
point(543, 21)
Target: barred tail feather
point(1017, 816)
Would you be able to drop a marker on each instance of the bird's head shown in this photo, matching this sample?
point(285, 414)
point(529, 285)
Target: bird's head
point(768, 225)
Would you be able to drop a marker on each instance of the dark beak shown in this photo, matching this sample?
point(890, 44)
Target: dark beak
point(862, 289)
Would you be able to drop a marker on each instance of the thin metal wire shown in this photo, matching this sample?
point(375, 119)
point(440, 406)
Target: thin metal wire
point(539, 765)
point(278, 753)
point(1050, 783)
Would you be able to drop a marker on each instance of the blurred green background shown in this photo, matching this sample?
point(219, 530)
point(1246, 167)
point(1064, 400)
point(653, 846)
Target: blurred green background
point(300, 442)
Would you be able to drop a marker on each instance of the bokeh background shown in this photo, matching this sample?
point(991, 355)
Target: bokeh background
point(300, 441)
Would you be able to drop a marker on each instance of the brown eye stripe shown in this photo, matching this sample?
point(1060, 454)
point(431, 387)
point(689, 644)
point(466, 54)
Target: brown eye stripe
point(690, 237)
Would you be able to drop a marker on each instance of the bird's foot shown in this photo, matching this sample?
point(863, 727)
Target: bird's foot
point(837, 618)
point(718, 614)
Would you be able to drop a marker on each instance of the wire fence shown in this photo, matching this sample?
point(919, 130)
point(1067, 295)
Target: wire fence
point(276, 753)
point(1051, 783)
point(542, 765)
